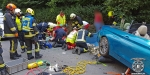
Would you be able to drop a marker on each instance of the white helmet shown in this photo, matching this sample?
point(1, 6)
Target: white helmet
point(72, 15)
point(51, 24)
point(17, 10)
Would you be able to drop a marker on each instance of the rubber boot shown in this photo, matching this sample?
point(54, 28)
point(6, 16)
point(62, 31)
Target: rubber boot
point(17, 55)
point(38, 55)
point(13, 56)
point(30, 56)
point(23, 50)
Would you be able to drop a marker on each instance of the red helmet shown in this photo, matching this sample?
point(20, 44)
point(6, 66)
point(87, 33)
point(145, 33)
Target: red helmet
point(11, 6)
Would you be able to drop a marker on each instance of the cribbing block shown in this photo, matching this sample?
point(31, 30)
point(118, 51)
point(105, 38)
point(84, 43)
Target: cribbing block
point(16, 65)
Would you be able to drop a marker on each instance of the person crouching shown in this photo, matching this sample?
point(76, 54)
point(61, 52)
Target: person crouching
point(70, 40)
point(60, 35)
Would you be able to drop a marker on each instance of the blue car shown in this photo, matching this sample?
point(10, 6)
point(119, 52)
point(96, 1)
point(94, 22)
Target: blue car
point(125, 47)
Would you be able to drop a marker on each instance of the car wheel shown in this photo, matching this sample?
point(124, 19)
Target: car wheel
point(104, 47)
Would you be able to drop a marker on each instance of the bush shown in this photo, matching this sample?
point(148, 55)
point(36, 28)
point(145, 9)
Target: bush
point(49, 14)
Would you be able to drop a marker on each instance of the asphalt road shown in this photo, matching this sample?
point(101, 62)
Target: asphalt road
point(61, 57)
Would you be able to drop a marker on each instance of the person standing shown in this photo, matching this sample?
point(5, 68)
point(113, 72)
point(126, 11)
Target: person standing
point(2, 65)
point(10, 30)
point(19, 26)
point(61, 19)
point(98, 20)
point(30, 34)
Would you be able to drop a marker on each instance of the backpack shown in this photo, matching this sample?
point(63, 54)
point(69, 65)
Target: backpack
point(27, 22)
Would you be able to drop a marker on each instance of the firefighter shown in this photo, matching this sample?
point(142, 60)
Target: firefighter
point(70, 40)
point(77, 21)
point(10, 30)
point(2, 65)
point(81, 46)
point(20, 33)
point(60, 37)
point(30, 33)
point(42, 27)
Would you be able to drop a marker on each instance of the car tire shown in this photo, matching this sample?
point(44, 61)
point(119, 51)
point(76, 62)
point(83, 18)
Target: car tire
point(104, 47)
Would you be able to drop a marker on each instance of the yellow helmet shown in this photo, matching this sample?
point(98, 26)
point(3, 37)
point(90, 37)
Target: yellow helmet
point(110, 13)
point(29, 10)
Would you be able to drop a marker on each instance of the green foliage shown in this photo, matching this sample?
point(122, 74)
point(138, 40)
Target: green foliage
point(47, 10)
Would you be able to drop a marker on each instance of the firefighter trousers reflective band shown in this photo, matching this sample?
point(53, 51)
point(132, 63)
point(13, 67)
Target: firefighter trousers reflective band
point(28, 43)
point(13, 45)
point(2, 65)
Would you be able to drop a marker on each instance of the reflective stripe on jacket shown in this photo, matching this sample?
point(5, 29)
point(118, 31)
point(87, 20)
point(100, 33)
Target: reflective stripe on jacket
point(81, 35)
point(61, 20)
point(71, 37)
point(18, 22)
point(10, 27)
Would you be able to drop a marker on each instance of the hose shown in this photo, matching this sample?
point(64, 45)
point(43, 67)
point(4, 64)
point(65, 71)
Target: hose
point(79, 69)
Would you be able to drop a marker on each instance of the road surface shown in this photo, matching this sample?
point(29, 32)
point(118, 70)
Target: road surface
point(61, 57)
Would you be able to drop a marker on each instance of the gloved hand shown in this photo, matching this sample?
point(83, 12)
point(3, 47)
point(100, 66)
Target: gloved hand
point(16, 34)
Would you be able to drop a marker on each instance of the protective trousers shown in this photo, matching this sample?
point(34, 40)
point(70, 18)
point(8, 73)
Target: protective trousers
point(83, 46)
point(13, 45)
point(2, 66)
point(21, 40)
point(28, 42)
point(40, 37)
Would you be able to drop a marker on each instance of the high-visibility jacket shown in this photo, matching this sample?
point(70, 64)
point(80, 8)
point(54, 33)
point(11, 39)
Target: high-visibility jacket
point(10, 27)
point(61, 20)
point(71, 38)
point(81, 35)
point(18, 22)
point(34, 31)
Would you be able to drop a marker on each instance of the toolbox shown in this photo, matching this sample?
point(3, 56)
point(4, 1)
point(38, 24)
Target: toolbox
point(16, 65)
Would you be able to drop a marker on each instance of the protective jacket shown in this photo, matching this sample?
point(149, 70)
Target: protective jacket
point(10, 27)
point(18, 22)
point(60, 33)
point(42, 27)
point(81, 35)
point(71, 38)
point(61, 20)
point(33, 30)
point(77, 22)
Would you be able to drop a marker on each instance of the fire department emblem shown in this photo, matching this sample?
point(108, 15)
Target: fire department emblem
point(138, 64)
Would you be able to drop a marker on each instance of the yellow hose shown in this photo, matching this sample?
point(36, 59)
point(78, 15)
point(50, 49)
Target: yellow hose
point(79, 69)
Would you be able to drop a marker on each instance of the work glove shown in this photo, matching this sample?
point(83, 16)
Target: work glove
point(16, 34)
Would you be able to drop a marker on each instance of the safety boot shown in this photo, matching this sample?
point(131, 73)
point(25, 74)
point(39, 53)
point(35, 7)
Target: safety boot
point(13, 56)
point(17, 55)
point(38, 55)
point(75, 50)
point(79, 51)
point(30, 56)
